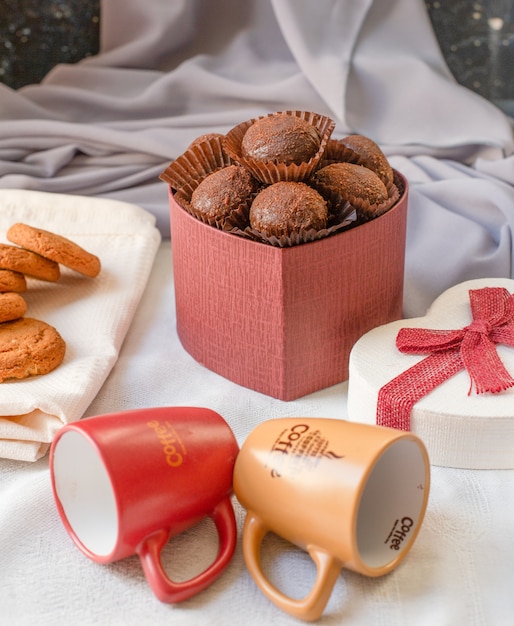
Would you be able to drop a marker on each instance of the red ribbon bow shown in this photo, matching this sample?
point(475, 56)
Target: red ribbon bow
point(450, 351)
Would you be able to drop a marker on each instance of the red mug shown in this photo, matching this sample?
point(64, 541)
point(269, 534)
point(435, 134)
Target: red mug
point(125, 483)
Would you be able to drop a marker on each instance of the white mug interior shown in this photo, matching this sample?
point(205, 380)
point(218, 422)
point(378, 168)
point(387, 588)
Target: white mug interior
point(85, 492)
point(391, 505)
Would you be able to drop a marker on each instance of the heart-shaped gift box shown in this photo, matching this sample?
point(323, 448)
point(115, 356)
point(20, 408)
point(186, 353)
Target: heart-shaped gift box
point(282, 320)
point(465, 413)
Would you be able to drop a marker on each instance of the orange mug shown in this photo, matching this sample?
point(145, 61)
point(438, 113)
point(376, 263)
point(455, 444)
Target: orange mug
point(351, 495)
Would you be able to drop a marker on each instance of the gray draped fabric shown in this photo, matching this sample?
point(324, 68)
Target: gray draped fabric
point(169, 71)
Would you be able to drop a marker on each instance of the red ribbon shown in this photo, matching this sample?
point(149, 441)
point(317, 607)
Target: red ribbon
point(450, 351)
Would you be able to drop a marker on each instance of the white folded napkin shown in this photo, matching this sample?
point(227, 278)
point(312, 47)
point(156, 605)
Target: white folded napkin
point(91, 314)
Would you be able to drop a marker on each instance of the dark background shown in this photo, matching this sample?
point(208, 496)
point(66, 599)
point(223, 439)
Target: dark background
point(35, 35)
point(476, 38)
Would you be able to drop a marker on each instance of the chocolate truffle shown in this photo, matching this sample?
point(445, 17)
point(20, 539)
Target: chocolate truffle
point(370, 155)
point(223, 191)
point(342, 182)
point(281, 138)
point(286, 207)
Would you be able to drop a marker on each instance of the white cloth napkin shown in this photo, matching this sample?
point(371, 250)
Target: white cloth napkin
point(91, 314)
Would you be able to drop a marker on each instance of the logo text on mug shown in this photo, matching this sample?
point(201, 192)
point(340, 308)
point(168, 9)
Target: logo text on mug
point(301, 448)
point(399, 531)
point(170, 442)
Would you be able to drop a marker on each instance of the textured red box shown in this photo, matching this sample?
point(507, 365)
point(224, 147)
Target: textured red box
point(282, 321)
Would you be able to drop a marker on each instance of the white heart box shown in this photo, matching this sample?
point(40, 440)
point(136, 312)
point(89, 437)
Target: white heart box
point(459, 429)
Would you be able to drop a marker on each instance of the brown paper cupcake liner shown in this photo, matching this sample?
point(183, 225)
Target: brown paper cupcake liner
point(270, 171)
point(398, 183)
point(183, 201)
point(190, 168)
point(297, 237)
point(337, 152)
point(346, 214)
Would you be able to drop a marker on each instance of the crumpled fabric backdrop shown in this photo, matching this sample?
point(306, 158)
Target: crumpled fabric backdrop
point(106, 127)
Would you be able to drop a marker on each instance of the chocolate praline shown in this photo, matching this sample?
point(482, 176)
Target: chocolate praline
point(370, 155)
point(281, 138)
point(286, 207)
point(341, 182)
point(223, 191)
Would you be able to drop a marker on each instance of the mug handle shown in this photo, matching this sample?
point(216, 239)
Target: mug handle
point(312, 605)
point(172, 592)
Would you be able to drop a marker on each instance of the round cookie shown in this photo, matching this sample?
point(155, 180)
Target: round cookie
point(29, 347)
point(12, 281)
point(287, 207)
point(27, 262)
point(12, 306)
point(55, 248)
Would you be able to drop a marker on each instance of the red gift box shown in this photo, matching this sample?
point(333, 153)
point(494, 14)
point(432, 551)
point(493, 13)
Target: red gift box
point(282, 321)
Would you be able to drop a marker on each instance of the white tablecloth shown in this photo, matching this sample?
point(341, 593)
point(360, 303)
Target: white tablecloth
point(107, 127)
point(459, 571)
